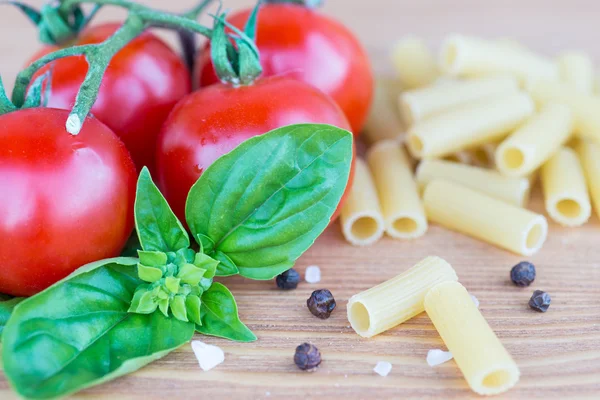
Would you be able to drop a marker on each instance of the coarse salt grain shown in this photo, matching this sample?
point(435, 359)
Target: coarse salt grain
point(437, 357)
point(475, 300)
point(383, 368)
point(312, 274)
point(208, 356)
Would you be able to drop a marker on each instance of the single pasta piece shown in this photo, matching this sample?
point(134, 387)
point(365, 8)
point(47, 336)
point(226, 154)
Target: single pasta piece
point(403, 211)
point(577, 69)
point(414, 62)
point(468, 126)
point(474, 57)
point(484, 362)
point(468, 211)
point(589, 154)
point(384, 120)
point(565, 190)
point(511, 190)
point(397, 300)
point(418, 104)
point(361, 219)
point(535, 142)
point(585, 107)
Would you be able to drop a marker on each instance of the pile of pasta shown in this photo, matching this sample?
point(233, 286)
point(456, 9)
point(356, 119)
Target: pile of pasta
point(483, 121)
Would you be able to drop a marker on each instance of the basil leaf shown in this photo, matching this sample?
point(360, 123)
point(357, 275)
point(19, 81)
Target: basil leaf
point(226, 266)
point(158, 228)
point(6, 309)
point(219, 315)
point(266, 202)
point(78, 333)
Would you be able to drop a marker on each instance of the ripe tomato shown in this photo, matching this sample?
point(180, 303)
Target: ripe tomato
point(214, 120)
point(141, 85)
point(66, 200)
point(301, 43)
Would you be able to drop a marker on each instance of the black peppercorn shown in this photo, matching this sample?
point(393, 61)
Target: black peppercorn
point(321, 303)
point(307, 357)
point(540, 301)
point(523, 274)
point(288, 280)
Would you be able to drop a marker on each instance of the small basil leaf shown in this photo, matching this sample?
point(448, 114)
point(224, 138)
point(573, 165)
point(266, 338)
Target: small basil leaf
point(158, 228)
point(226, 266)
point(190, 274)
point(178, 308)
point(208, 263)
point(206, 243)
point(192, 307)
point(172, 284)
point(152, 258)
point(78, 333)
point(143, 301)
point(149, 274)
point(6, 309)
point(266, 202)
point(220, 317)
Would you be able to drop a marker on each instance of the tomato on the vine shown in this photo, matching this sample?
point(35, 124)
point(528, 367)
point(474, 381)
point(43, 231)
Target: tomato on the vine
point(140, 87)
point(298, 42)
point(214, 120)
point(66, 200)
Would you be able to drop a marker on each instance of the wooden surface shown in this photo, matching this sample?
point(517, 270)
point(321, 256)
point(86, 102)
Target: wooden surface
point(558, 352)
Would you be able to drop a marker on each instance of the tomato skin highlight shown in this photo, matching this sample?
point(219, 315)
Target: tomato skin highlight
point(66, 200)
point(301, 43)
point(141, 85)
point(213, 121)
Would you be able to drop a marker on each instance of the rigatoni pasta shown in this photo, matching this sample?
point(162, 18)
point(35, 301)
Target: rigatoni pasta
point(397, 300)
point(473, 213)
point(474, 57)
point(589, 154)
point(361, 219)
point(415, 64)
point(486, 365)
point(416, 105)
point(565, 191)
point(468, 126)
point(577, 69)
point(534, 143)
point(384, 118)
point(511, 190)
point(401, 205)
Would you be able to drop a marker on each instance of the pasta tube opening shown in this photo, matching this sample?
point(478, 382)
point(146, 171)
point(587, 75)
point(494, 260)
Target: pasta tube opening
point(569, 211)
point(415, 144)
point(359, 315)
point(512, 158)
point(535, 236)
point(366, 228)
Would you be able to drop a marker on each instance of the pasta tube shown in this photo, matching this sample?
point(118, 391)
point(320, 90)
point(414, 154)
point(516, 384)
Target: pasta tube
point(468, 126)
point(384, 119)
point(361, 219)
point(416, 105)
point(414, 62)
point(403, 211)
point(511, 190)
point(565, 191)
point(473, 213)
point(397, 300)
point(535, 142)
point(577, 69)
point(473, 57)
point(486, 365)
point(589, 154)
point(584, 107)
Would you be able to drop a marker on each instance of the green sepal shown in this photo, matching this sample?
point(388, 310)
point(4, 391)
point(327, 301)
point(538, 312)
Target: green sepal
point(149, 274)
point(226, 266)
point(143, 301)
point(190, 274)
point(178, 308)
point(208, 263)
point(172, 284)
point(192, 307)
point(152, 258)
point(206, 244)
point(6, 105)
point(163, 306)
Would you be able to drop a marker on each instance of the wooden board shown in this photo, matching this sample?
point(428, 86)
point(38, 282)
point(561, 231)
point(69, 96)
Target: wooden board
point(558, 352)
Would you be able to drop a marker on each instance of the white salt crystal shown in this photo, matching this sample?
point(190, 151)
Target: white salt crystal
point(437, 357)
point(475, 300)
point(208, 356)
point(312, 274)
point(383, 368)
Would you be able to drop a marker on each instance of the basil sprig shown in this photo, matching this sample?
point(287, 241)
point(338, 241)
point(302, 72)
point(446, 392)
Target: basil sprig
point(254, 211)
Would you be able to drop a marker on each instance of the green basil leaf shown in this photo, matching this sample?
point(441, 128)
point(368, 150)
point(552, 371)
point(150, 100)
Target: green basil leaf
point(158, 228)
point(6, 309)
point(78, 333)
point(226, 266)
point(219, 315)
point(206, 243)
point(266, 202)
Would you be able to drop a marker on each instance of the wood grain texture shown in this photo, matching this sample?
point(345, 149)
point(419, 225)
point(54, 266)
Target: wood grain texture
point(558, 352)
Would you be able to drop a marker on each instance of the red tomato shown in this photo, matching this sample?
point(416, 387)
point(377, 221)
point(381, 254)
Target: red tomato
point(66, 200)
point(141, 85)
point(214, 120)
point(298, 42)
